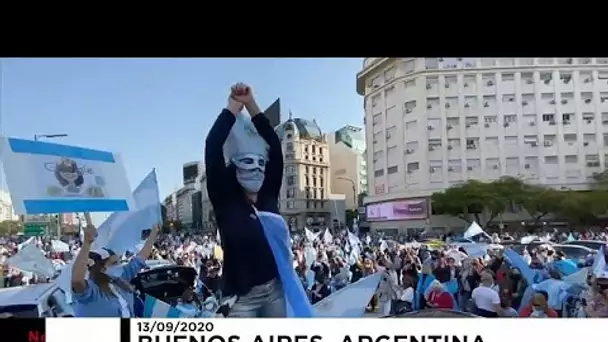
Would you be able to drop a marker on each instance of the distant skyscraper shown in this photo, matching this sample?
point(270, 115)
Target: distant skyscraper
point(273, 113)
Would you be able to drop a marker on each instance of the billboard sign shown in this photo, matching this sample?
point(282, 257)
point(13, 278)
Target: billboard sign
point(410, 209)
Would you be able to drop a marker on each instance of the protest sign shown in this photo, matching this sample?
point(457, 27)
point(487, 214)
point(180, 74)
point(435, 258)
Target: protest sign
point(45, 177)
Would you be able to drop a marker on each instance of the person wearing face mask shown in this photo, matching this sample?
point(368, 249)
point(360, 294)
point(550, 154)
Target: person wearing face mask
point(106, 292)
point(242, 180)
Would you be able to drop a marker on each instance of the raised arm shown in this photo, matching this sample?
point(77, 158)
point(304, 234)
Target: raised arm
point(219, 186)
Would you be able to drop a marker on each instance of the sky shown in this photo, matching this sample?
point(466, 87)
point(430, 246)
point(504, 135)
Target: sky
point(157, 112)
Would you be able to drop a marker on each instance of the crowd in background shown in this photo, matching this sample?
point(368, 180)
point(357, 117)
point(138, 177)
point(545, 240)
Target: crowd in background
point(416, 274)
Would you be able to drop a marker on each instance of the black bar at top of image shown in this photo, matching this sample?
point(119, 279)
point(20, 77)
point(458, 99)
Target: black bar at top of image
point(23, 329)
point(125, 330)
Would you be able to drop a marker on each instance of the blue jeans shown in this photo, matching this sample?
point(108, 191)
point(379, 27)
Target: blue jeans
point(266, 300)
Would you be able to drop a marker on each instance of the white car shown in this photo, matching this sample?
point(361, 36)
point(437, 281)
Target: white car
point(38, 300)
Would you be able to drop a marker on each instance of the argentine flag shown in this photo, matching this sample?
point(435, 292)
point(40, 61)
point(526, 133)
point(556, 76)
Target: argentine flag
point(158, 309)
point(122, 230)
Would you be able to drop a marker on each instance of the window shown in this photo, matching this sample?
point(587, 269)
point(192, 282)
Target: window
point(379, 173)
point(393, 169)
point(291, 180)
point(488, 62)
point(526, 61)
point(510, 118)
point(490, 119)
point(431, 63)
point(409, 66)
point(291, 193)
point(549, 117)
point(508, 77)
point(289, 147)
point(389, 74)
point(411, 167)
point(472, 143)
point(409, 84)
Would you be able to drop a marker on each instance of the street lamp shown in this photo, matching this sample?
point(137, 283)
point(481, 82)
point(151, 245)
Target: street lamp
point(49, 136)
point(354, 189)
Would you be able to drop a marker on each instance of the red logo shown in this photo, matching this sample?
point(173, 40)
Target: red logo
point(35, 336)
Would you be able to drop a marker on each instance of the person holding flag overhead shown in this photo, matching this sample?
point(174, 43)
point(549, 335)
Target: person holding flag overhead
point(106, 292)
point(244, 166)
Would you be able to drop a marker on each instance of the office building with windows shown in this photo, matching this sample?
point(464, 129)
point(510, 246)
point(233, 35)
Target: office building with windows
point(304, 193)
point(348, 163)
point(434, 122)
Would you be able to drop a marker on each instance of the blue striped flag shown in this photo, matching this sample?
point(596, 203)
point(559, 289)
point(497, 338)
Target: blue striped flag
point(156, 308)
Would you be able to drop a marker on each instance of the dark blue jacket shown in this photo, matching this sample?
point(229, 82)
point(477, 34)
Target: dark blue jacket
point(248, 259)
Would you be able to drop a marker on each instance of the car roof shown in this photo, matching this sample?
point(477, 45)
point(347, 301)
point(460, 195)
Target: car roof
point(572, 246)
point(25, 295)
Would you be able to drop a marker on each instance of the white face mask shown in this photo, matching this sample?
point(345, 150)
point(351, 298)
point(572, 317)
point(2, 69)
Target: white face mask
point(250, 171)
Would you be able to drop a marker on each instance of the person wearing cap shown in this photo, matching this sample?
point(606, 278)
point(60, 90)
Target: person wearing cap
point(597, 305)
point(106, 292)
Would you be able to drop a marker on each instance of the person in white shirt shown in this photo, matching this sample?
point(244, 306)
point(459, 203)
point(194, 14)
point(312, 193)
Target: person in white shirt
point(486, 298)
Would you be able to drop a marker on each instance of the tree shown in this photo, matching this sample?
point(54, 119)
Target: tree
point(361, 197)
point(9, 227)
point(540, 202)
point(351, 215)
point(601, 179)
point(478, 201)
point(584, 207)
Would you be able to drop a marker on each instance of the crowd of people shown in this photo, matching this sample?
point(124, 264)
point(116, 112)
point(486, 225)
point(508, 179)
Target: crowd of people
point(247, 266)
point(417, 275)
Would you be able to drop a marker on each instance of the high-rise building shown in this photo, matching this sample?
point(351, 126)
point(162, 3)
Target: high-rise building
point(305, 188)
point(190, 172)
point(434, 122)
point(273, 113)
point(348, 163)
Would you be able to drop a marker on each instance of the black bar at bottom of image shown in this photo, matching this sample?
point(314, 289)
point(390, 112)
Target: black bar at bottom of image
point(23, 329)
point(125, 330)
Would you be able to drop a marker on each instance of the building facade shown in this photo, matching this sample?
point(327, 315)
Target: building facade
point(348, 163)
point(7, 213)
point(434, 122)
point(170, 206)
point(183, 204)
point(306, 183)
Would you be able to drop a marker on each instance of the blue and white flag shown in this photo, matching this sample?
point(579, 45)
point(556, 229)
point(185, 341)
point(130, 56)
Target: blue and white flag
point(122, 230)
point(46, 178)
point(156, 308)
point(351, 301)
point(599, 263)
point(473, 230)
point(517, 261)
point(327, 238)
